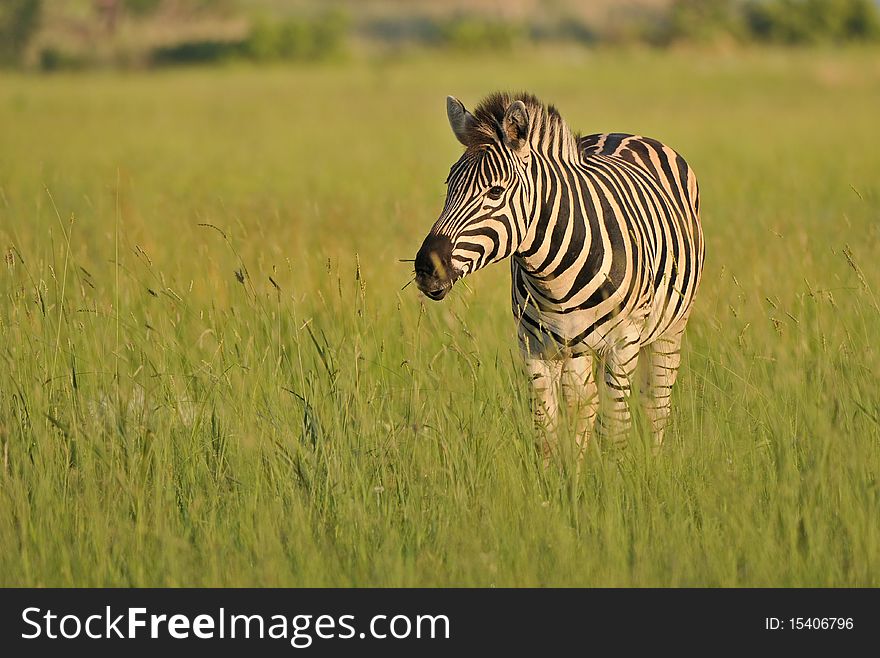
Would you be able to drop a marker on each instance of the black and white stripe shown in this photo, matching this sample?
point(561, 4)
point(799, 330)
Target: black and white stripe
point(606, 248)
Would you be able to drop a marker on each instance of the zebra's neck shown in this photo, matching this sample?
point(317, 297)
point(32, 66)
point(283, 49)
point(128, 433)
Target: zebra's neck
point(555, 165)
point(550, 137)
point(556, 216)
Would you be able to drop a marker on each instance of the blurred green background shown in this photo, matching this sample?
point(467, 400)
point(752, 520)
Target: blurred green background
point(143, 33)
point(212, 371)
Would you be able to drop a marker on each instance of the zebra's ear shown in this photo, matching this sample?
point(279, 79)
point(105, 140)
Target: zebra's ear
point(516, 127)
point(460, 120)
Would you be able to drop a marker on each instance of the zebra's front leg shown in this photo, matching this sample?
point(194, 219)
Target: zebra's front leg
point(545, 376)
point(581, 395)
point(620, 365)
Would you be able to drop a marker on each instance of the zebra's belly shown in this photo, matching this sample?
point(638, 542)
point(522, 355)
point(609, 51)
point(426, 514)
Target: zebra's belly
point(594, 331)
point(643, 311)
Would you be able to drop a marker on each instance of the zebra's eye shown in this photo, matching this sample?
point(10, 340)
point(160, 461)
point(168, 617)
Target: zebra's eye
point(495, 192)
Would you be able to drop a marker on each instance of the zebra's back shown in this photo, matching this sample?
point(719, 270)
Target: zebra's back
point(665, 164)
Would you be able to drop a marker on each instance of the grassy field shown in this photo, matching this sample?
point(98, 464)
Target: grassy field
point(211, 374)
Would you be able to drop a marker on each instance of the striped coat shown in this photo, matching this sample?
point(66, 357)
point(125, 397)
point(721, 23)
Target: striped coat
point(606, 253)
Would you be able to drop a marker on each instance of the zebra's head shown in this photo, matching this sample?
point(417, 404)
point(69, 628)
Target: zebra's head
point(488, 193)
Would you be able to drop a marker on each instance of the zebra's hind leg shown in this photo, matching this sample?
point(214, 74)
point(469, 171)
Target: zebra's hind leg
point(663, 357)
point(620, 365)
point(581, 395)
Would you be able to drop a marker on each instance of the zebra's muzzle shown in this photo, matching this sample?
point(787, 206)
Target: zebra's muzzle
point(438, 294)
point(434, 272)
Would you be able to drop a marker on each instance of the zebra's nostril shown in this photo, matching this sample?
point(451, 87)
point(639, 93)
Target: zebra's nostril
point(435, 257)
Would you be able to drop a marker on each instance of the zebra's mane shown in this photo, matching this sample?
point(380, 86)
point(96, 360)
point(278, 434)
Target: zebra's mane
point(546, 122)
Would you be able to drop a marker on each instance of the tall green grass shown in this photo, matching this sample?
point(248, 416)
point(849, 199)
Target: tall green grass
point(212, 373)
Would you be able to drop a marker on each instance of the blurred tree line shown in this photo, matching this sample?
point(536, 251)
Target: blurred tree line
point(771, 21)
point(19, 21)
point(296, 38)
point(33, 32)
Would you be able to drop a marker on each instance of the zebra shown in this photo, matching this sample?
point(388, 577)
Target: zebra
point(606, 254)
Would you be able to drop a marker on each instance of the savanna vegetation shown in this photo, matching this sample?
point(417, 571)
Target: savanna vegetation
point(212, 371)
